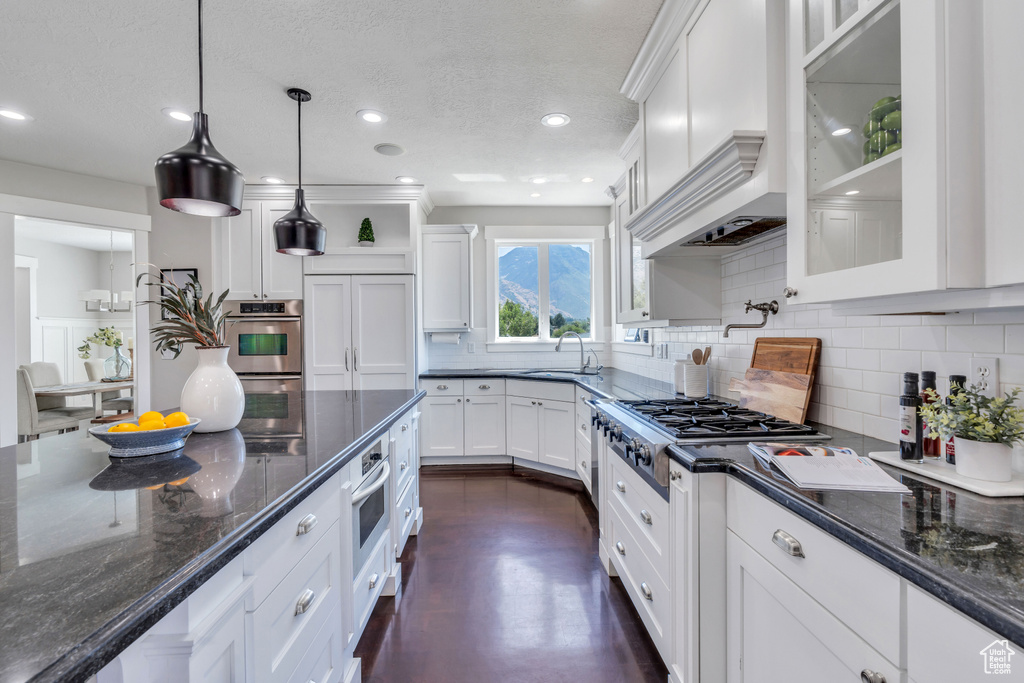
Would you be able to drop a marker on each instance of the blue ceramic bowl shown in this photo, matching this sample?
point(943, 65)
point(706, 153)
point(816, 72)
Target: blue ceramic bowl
point(135, 444)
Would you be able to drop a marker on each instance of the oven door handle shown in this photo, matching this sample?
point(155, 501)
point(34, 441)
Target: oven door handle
point(286, 377)
point(362, 494)
point(262, 319)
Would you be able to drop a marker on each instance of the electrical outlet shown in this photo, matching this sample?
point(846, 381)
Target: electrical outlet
point(985, 374)
point(470, 347)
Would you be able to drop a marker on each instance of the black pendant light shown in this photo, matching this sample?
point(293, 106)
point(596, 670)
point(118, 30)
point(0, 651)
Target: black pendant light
point(298, 232)
point(196, 178)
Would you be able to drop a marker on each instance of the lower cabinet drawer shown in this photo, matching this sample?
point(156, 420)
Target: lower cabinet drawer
point(859, 592)
point(295, 611)
point(276, 552)
point(369, 584)
point(583, 463)
point(404, 517)
point(647, 589)
point(641, 506)
point(324, 659)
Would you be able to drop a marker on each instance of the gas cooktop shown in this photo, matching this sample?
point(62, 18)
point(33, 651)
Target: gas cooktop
point(708, 419)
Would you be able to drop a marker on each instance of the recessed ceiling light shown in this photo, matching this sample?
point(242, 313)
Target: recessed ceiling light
point(14, 115)
point(389, 149)
point(535, 194)
point(538, 181)
point(405, 179)
point(272, 180)
point(853, 192)
point(588, 180)
point(371, 116)
point(842, 131)
point(555, 120)
point(177, 114)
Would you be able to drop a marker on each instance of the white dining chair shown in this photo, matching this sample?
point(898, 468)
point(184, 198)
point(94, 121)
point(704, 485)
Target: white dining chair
point(33, 421)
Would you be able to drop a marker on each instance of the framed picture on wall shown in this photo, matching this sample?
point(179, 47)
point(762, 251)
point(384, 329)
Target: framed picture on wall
point(178, 277)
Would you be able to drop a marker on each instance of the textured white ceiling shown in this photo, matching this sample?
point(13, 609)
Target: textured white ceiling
point(72, 235)
point(463, 82)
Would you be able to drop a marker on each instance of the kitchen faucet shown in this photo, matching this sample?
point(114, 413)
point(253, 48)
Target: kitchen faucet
point(583, 364)
point(765, 308)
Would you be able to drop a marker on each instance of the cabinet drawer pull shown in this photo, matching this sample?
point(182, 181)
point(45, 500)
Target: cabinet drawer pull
point(373, 581)
point(408, 511)
point(869, 676)
point(355, 359)
point(346, 359)
point(646, 590)
point(620, 486)
point(305, 600)
point(584, 464)
point(789, 544)
point(403, 466)
point(646, 517)
point(442, 387)
point(405, 428)
point(621, 548)
point(306, 525)
point(485, 386)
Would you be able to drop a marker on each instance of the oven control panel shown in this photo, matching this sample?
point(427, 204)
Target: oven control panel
point(248, 307)
point(372, 457)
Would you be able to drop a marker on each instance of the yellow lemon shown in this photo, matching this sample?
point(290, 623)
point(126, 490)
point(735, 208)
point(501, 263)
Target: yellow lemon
point(150, 425)
point(151, 415)
point(178, 419)
point(124, 427)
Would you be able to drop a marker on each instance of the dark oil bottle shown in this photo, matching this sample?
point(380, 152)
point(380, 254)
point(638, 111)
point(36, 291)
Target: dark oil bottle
point(910, 420)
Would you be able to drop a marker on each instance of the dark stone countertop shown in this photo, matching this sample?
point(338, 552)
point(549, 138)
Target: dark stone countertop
point(90, 558)
point(610, 383)
point(963, 548)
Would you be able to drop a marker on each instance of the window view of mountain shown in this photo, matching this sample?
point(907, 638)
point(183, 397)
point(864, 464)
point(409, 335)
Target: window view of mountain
point(569, 278)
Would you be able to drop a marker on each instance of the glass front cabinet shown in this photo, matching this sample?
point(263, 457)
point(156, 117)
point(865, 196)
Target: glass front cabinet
point(868, 94)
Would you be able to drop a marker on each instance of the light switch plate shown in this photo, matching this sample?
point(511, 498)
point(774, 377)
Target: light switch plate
point(985, 373)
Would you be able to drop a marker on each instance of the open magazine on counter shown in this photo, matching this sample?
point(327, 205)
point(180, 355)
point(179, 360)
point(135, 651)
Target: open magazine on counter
point(825, 467)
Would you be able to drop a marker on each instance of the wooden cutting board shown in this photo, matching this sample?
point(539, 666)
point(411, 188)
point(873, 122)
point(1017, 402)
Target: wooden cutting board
point(787, 354)
point(782, 394)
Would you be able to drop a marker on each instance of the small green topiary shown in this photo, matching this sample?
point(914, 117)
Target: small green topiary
point(366, 231)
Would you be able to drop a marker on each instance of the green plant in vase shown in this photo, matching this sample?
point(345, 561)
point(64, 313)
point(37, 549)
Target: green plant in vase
point(366, 233)
point(117, 365)
point(188, 319)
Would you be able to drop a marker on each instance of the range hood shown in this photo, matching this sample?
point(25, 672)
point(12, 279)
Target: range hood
point(731, 197)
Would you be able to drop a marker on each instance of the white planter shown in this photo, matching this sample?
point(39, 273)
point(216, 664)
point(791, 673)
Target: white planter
point(213, 392)
point(985, 461)
point(366, 244)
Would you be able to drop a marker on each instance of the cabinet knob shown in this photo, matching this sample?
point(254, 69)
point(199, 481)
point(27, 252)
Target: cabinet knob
point(620, 486)
point(467, 400)
point(621, 548)
point(583, 426)
point(465, 324)
point(403, 466)
point(540, 403)
point(789, 292)
point(408, 511)
point(533, 403)
point(485, 386)
point(646, 590)
point(255, 296)
point(789, 545)
point(584, 463)
point(405, 428)
point(442, 387)
point(373, 581)
point(306, 525)
point(305, 600)
point(458, 400)
point(644, 313)
point(675, 476)
point(646, 517)
point(869, 676)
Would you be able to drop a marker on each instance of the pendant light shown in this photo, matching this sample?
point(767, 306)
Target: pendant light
point(196, 178)
point(298, 232)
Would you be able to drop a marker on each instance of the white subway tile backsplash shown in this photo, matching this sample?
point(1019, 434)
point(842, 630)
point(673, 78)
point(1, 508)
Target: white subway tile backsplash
point(923, 338)
point(882, 338)
point(900, 361)
point(975, 338)
point(849, 337)
point(1014, 341)
point(882, 382)
point(863, 359)
point(847, 379)
point(863, 402)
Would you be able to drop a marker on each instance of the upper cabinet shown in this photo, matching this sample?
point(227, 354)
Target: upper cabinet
point(249, 265)
point(447, 277)
point(710, 83)
point(901, 171)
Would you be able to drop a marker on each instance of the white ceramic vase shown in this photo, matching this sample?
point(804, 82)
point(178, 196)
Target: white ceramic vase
point(982, 460)
point(213, 392)
point(365, 243)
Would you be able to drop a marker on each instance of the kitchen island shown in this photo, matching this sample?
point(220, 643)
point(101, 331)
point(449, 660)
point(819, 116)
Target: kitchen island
point(93, 554)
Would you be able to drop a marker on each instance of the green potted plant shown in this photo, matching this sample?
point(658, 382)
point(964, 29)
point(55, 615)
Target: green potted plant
point(116, 366)
point(366, 233)
point(213, 392)
point(984, 430)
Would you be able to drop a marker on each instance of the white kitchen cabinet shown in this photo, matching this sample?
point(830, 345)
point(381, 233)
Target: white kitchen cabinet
point(248, 264)
point(448, 277)
point(404, 480)
point(907, 222)
point(484, 425)
point(359, 332)
point(779, 634)
point(557, 444)
point(684, 661)
point(522, 428)
point(441, 426)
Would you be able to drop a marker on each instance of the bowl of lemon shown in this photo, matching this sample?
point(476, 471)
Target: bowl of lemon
point(153, 433)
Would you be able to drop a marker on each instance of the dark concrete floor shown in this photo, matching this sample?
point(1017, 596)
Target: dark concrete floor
point(504, 584)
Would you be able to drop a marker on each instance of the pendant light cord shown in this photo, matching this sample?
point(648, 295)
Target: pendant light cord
point(200, 57)
point(300, 142)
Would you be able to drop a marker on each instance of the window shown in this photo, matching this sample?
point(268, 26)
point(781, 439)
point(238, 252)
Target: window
point(543, 289)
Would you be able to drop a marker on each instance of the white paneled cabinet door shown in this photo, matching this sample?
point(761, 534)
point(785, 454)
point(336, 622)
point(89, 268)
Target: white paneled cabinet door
point(328, 333)
point(485, 425)
point(447, 282)
point(441, 426)
point(383, 329)
point(557, 432)
point(282, 273)
point(241, 255)
point(522, 425)
point(777, 633)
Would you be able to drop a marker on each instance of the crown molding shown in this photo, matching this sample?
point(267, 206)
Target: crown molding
point(462, 229)
point(666, 29)
point(729, 164)
point(346, 193)
point(630, 148)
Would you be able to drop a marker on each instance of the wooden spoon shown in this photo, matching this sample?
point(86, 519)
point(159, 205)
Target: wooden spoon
point(697, 356)
point(707, 355)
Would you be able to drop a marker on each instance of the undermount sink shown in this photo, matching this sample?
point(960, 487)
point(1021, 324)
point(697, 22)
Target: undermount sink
point(558, 373)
